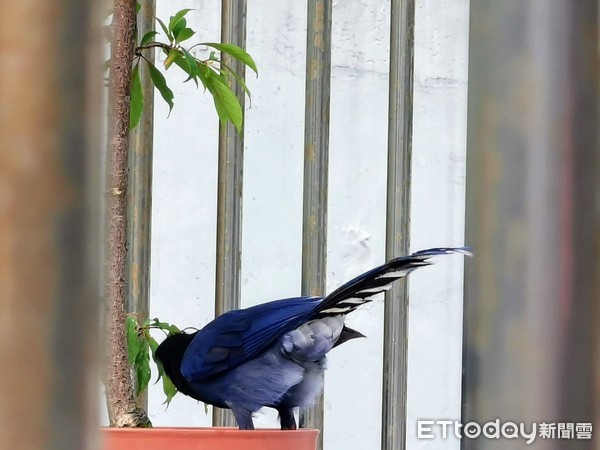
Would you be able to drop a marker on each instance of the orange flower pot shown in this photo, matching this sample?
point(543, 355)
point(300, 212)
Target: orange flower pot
point(207, 439)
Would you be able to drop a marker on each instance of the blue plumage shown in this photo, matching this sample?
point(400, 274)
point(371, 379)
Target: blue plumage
point(274, 354)
point(239, 335)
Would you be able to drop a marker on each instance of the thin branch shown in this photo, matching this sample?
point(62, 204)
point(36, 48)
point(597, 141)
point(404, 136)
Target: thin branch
point(138, 50)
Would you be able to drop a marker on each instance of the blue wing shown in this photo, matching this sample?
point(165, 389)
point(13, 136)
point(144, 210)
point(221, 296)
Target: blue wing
point(240, 335)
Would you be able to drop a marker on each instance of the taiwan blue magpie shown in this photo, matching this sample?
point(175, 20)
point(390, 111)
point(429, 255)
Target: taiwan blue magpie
point(274, 354)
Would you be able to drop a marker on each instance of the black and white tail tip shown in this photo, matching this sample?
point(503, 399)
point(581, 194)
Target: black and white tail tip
point(363, 288)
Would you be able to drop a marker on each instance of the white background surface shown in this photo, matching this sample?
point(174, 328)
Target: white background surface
point(183, 253)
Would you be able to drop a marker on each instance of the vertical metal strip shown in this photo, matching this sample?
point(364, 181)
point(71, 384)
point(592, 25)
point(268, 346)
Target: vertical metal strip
point(230, 184)
point(316, 157)
point(532, 216)
point(140, 188)
point(393, 429)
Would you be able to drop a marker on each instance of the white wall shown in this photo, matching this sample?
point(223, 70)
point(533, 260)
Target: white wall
point(183, 269)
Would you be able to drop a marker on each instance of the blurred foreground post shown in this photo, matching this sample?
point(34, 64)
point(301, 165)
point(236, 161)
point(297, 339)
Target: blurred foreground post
point(47, 275)
point(532, 293)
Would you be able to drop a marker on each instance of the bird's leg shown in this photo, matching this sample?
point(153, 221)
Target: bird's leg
point(287, 419)
point(242, 416)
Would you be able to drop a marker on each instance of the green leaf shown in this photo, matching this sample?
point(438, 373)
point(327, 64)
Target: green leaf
point(226, 103)
point(235, 52)
point(192, 67)
point(133, 340)
point(148, 37)
point(142, 366)
point(171, 57)
point(206, 74)
point(137, 98)
point(161, 84)
point(239, 79)
point(178, 28)
point(153, 346)
point(184, 65)
point(165, 29)
point(168, 388)
point(181, 25)
point(138, 7)
point(166, 326)
point(184, 34)
point(203, 71)
point(177, 18)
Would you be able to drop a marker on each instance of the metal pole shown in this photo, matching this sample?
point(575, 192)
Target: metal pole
point(47, 281)
point(393, 429)
point(140, 188)
point(229, 196)
point(316, 158)
point(532, 216)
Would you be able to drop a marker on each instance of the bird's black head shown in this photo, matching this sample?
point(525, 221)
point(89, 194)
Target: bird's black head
point(170, 353)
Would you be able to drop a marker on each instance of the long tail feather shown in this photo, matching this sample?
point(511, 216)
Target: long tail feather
point(363, 288)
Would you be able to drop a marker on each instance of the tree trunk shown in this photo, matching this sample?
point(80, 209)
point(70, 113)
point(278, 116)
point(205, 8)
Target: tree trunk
point(122, 409)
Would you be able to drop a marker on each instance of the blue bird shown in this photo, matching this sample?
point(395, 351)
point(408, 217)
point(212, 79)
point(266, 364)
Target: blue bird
point(274, 354)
